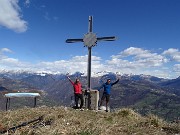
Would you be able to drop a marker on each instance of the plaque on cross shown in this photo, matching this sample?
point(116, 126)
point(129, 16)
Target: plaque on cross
point(90, 40)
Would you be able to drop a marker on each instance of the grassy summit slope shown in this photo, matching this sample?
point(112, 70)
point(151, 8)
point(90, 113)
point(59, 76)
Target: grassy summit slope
point(62, 120)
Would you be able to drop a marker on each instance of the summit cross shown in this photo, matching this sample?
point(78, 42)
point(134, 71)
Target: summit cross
point(90, 40)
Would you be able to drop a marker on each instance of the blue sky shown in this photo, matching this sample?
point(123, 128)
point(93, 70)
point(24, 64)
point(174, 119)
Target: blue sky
point(33, 34)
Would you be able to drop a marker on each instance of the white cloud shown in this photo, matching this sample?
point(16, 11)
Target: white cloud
point(77, 63)
point(177, 68)
point(170, 51)
point(143, 62)
point(139, 61)
point(10, 61)
point(2, 51)
point(5, 50)
point(138, 58)
point(134, 51)
point(10, 16)
point(14, 64)
point(27, 2)
point(173, 53)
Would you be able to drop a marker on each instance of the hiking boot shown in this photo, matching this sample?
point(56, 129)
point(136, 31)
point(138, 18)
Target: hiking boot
point(81, 109)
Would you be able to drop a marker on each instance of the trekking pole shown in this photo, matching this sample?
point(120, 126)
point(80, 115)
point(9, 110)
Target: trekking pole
point(22, 125)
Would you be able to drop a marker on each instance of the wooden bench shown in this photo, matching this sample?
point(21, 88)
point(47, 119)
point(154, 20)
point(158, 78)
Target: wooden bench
point(20, 95)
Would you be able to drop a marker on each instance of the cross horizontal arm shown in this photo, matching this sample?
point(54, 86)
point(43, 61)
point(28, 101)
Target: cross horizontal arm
point(106, 38)
point(74, 40)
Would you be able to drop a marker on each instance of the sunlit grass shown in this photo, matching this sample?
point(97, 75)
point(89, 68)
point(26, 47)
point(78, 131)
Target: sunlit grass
point(63, 120)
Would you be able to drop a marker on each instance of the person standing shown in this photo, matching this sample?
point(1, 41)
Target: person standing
point(77, 92)
point(107, 89)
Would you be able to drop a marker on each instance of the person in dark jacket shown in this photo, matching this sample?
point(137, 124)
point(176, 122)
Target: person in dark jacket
point(106, 94)
point(77, 92)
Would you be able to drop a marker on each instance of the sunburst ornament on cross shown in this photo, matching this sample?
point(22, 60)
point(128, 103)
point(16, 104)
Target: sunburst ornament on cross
point(90, 39)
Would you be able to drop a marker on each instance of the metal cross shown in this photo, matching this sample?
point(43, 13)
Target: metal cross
point(90, 40)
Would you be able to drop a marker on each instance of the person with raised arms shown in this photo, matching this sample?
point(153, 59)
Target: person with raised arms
point(107, 89)
point(77, 92)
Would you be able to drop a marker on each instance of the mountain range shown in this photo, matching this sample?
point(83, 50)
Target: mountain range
point(143, 93)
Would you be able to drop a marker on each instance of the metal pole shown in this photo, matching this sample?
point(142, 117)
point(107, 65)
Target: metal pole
point(90, 24)
point(89, 65)
point(7, 103)
point(89, 77)
point(35, 99)
point(89, 55)
point(89, 68)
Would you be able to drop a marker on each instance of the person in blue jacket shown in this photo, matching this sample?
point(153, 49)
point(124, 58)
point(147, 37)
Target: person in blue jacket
point(107, 89)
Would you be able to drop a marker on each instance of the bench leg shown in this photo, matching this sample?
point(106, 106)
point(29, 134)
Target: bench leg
point(7, 103)
point(35, 100)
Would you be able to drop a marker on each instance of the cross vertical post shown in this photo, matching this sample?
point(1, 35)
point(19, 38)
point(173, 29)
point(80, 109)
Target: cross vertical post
point(87, 93)
point(89, 68)
point(89, 55)
point(90, 40)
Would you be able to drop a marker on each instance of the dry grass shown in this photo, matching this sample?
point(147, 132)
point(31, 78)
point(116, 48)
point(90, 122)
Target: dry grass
point(68, 121)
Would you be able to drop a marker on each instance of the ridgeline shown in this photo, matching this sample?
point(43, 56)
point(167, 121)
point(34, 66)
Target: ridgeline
point(64, 120)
